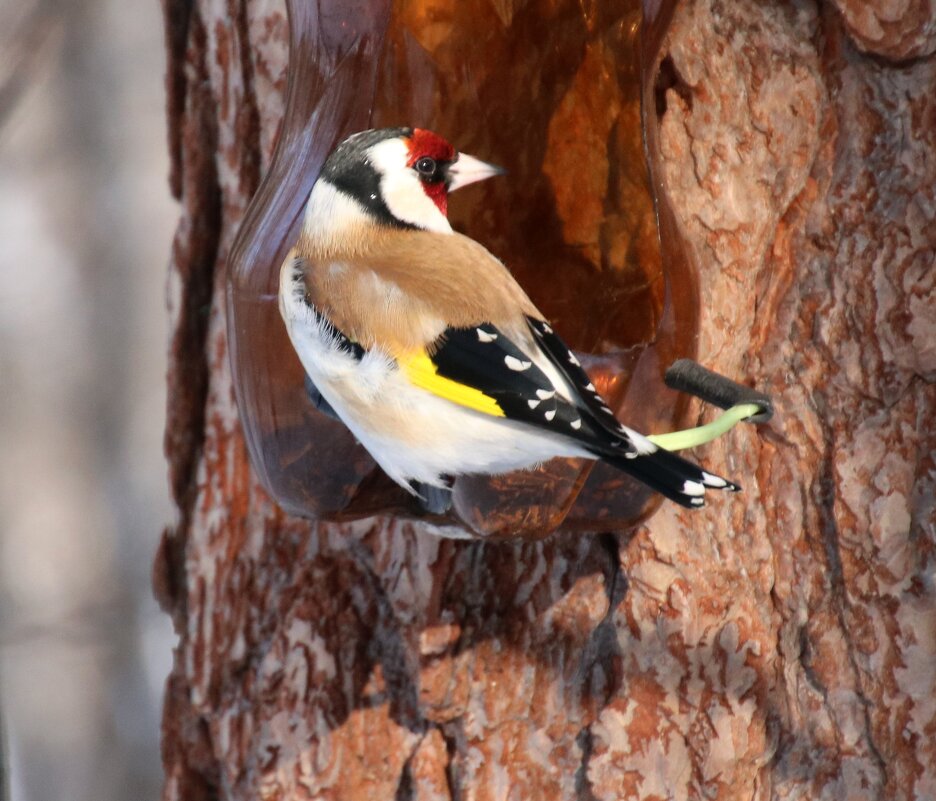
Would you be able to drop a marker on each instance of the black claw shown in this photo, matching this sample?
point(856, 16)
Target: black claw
point(434, 500)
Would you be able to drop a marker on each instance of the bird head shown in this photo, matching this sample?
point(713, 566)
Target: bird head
point(402, 176)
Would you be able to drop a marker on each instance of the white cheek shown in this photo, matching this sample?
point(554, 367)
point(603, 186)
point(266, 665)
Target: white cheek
point(402, 191)
point(407, 201)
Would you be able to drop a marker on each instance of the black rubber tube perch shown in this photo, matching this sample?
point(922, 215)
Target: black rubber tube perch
point(685, 375)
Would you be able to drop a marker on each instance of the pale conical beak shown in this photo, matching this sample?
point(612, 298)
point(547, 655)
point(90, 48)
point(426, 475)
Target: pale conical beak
point(467, 170)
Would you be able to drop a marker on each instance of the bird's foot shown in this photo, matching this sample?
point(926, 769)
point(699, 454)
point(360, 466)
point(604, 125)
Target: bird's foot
point(318, 401)
point(435, 500)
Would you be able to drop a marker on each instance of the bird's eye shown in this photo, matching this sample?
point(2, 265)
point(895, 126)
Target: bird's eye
point(426, 166)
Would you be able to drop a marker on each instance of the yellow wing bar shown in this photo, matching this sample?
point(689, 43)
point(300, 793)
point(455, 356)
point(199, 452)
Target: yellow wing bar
point(423, 373)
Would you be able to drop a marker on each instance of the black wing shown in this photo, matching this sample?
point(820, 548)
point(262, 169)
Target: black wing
point(485, 359)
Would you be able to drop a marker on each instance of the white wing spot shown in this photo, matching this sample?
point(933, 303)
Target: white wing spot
point(590, 387)
point(484, 336)
point(533, 403)
point(606, 410)
point(697, 501)
point(516, 364)
point(576, 423)
point(550, 415)
point(545, 394)
point(692, 488)
point(713, 481)
point(573, 360)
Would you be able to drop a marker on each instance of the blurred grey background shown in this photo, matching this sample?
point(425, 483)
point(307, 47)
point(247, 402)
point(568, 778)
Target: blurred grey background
point(86, 223)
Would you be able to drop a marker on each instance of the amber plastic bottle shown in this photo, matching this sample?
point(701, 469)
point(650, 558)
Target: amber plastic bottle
point(550, 90)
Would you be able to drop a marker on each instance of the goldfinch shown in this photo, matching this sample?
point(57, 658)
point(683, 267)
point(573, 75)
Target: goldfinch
point(423, 343)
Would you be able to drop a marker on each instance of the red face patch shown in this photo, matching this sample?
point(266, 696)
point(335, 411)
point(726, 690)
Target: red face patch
point(424, 145)
point(427, 143)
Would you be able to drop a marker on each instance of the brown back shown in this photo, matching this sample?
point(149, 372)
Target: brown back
point(403, 288)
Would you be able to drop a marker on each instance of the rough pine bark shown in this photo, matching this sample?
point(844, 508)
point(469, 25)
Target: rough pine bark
point(781, 644)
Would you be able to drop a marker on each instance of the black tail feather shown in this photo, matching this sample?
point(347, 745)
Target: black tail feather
point(672, 476)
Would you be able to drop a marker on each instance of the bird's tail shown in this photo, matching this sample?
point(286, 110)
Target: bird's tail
point(678, 479)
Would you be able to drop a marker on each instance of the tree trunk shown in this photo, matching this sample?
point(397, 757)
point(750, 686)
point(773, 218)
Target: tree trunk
point(779, 644)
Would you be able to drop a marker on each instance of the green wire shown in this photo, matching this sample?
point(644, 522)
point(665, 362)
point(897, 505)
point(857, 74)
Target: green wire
point(690, 437)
